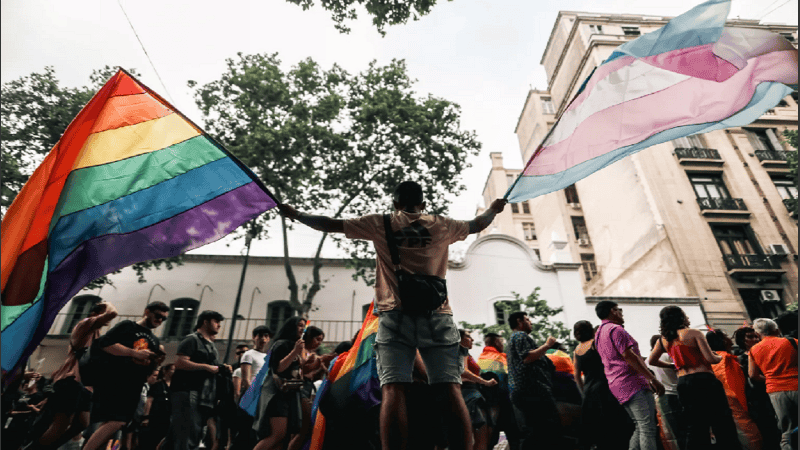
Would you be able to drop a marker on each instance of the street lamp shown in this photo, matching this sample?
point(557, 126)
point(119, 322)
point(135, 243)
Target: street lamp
point(151, 292)
point(247, 240)
point(250, 310)
point(203, 291)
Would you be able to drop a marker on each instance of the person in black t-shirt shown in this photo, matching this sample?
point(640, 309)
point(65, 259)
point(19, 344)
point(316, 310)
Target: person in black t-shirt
point(193, 388)
point(132, 352)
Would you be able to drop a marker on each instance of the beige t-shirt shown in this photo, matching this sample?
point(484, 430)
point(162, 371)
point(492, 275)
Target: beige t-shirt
point(422, 242)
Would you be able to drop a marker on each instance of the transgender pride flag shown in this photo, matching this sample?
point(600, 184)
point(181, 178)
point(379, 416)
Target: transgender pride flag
point(694, 75)
point(130, 180)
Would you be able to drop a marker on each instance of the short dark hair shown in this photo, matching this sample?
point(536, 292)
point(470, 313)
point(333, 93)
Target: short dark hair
point(462, 332)
point(408, 193)
point(262, 330)
point(739, 336)
point(98, 308)
point(787, 323)
point(716, 340)
point(583, 330)
point(343, 347)
point(515, 318)
point(241, 346)
point(490, 339)
point(603, 309)
point(207, 315)
point(157, 306)
point(311, 333)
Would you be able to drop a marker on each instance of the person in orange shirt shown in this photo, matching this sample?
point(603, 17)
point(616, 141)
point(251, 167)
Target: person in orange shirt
point(730, 374)
point(774, 360)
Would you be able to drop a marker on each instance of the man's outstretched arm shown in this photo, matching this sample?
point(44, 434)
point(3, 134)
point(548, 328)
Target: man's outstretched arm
point(319, 223)
point(482, 221)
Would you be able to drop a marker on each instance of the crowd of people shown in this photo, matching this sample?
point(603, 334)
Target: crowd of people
point(693, 391)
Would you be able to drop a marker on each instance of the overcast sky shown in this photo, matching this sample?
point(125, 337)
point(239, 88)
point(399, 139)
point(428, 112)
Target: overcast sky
point(482, 54)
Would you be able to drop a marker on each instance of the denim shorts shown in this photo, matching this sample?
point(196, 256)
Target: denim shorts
point(400, 335)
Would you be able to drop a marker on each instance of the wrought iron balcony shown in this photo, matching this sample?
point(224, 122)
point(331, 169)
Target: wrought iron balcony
point(771, 155)
point(697, 153)
point(727, 204)
point(734, 262)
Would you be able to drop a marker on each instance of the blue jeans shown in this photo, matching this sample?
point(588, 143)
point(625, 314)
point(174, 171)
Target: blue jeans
point(642, 409)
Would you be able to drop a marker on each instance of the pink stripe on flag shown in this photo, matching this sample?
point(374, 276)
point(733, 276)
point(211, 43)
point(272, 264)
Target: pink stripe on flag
point(692, 101)
point(698, 62)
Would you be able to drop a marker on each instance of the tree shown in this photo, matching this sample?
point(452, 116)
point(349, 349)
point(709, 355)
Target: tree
point(333, 143)
point(791, 157)
point(36, 111)
point(383, 12)
point(541, 315)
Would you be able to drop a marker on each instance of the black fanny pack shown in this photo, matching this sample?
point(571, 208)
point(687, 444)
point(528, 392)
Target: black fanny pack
point(419, 294)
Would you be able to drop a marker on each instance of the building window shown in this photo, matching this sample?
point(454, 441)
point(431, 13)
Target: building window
point(735, 240)
point(182, 317)
point(579, 228)
point(502, 310)
point(510, 178)
point(757, 307)
point(515, 208)
point(277, 313)
point(786, 187)
point(709, 186)
point(547, 106)
point(589, 266)
point(526, 209)
point(688, 142)
point(788, 36)
point(596, 29)
point(572, 195)
point(80, 309)
point(764, 139)
point(529, 230)
point(631, 31)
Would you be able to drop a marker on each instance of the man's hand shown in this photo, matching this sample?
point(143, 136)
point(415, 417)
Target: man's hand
point(212, 368)
point(143, 355)
point(551, 342)
point(490, 383)
point(657, 387)
point(498, 205)
point(288, 211)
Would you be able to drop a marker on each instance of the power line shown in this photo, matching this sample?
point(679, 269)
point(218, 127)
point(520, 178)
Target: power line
point(119, 2)
point(774, 9)
point(768, 7)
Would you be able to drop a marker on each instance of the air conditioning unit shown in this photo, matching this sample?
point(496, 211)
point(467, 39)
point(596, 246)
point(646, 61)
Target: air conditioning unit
point(778, 249)
point(770, 295)
point(575, 205)
point(583, 242)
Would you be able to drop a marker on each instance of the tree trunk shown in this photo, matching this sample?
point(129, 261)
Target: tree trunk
point(316, 284)
point(294, 299)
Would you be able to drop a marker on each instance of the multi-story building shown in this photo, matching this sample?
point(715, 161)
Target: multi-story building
point(703, 217)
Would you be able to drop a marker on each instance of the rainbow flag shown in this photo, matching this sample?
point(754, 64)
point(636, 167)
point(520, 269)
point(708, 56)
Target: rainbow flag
point(130, 180)
point(352, 382)
point(692, 76)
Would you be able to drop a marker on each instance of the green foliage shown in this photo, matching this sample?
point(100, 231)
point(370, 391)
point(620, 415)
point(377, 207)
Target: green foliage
point(791, 157)
point(791, 306)
point(36, 111)
point(383, 12)
point(541, 315)
point(333, 143)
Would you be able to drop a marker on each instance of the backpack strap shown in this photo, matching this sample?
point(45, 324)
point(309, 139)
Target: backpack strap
point(387, 226)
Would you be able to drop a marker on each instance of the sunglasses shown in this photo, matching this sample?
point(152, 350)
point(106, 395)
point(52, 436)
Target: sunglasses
point(160, 316)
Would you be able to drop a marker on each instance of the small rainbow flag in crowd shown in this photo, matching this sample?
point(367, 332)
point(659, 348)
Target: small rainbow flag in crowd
point(130, 180)
point(692, 76)
point(352, 380)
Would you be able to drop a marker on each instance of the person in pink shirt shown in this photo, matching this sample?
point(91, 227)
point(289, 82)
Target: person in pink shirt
point(629, 379)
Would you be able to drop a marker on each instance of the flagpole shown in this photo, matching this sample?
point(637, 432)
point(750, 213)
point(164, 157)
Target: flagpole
point(547, 136)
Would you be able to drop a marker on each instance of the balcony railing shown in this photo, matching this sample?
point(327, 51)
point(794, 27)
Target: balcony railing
point(697, 153)
point(335, 330)
point(771, 155)
point(751, 262)
point(728, 204)
point(791, 205)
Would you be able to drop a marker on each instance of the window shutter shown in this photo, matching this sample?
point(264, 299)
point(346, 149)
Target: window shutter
point(773, 138)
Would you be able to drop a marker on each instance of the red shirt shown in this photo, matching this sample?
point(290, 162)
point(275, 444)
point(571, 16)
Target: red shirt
point(777, 359)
